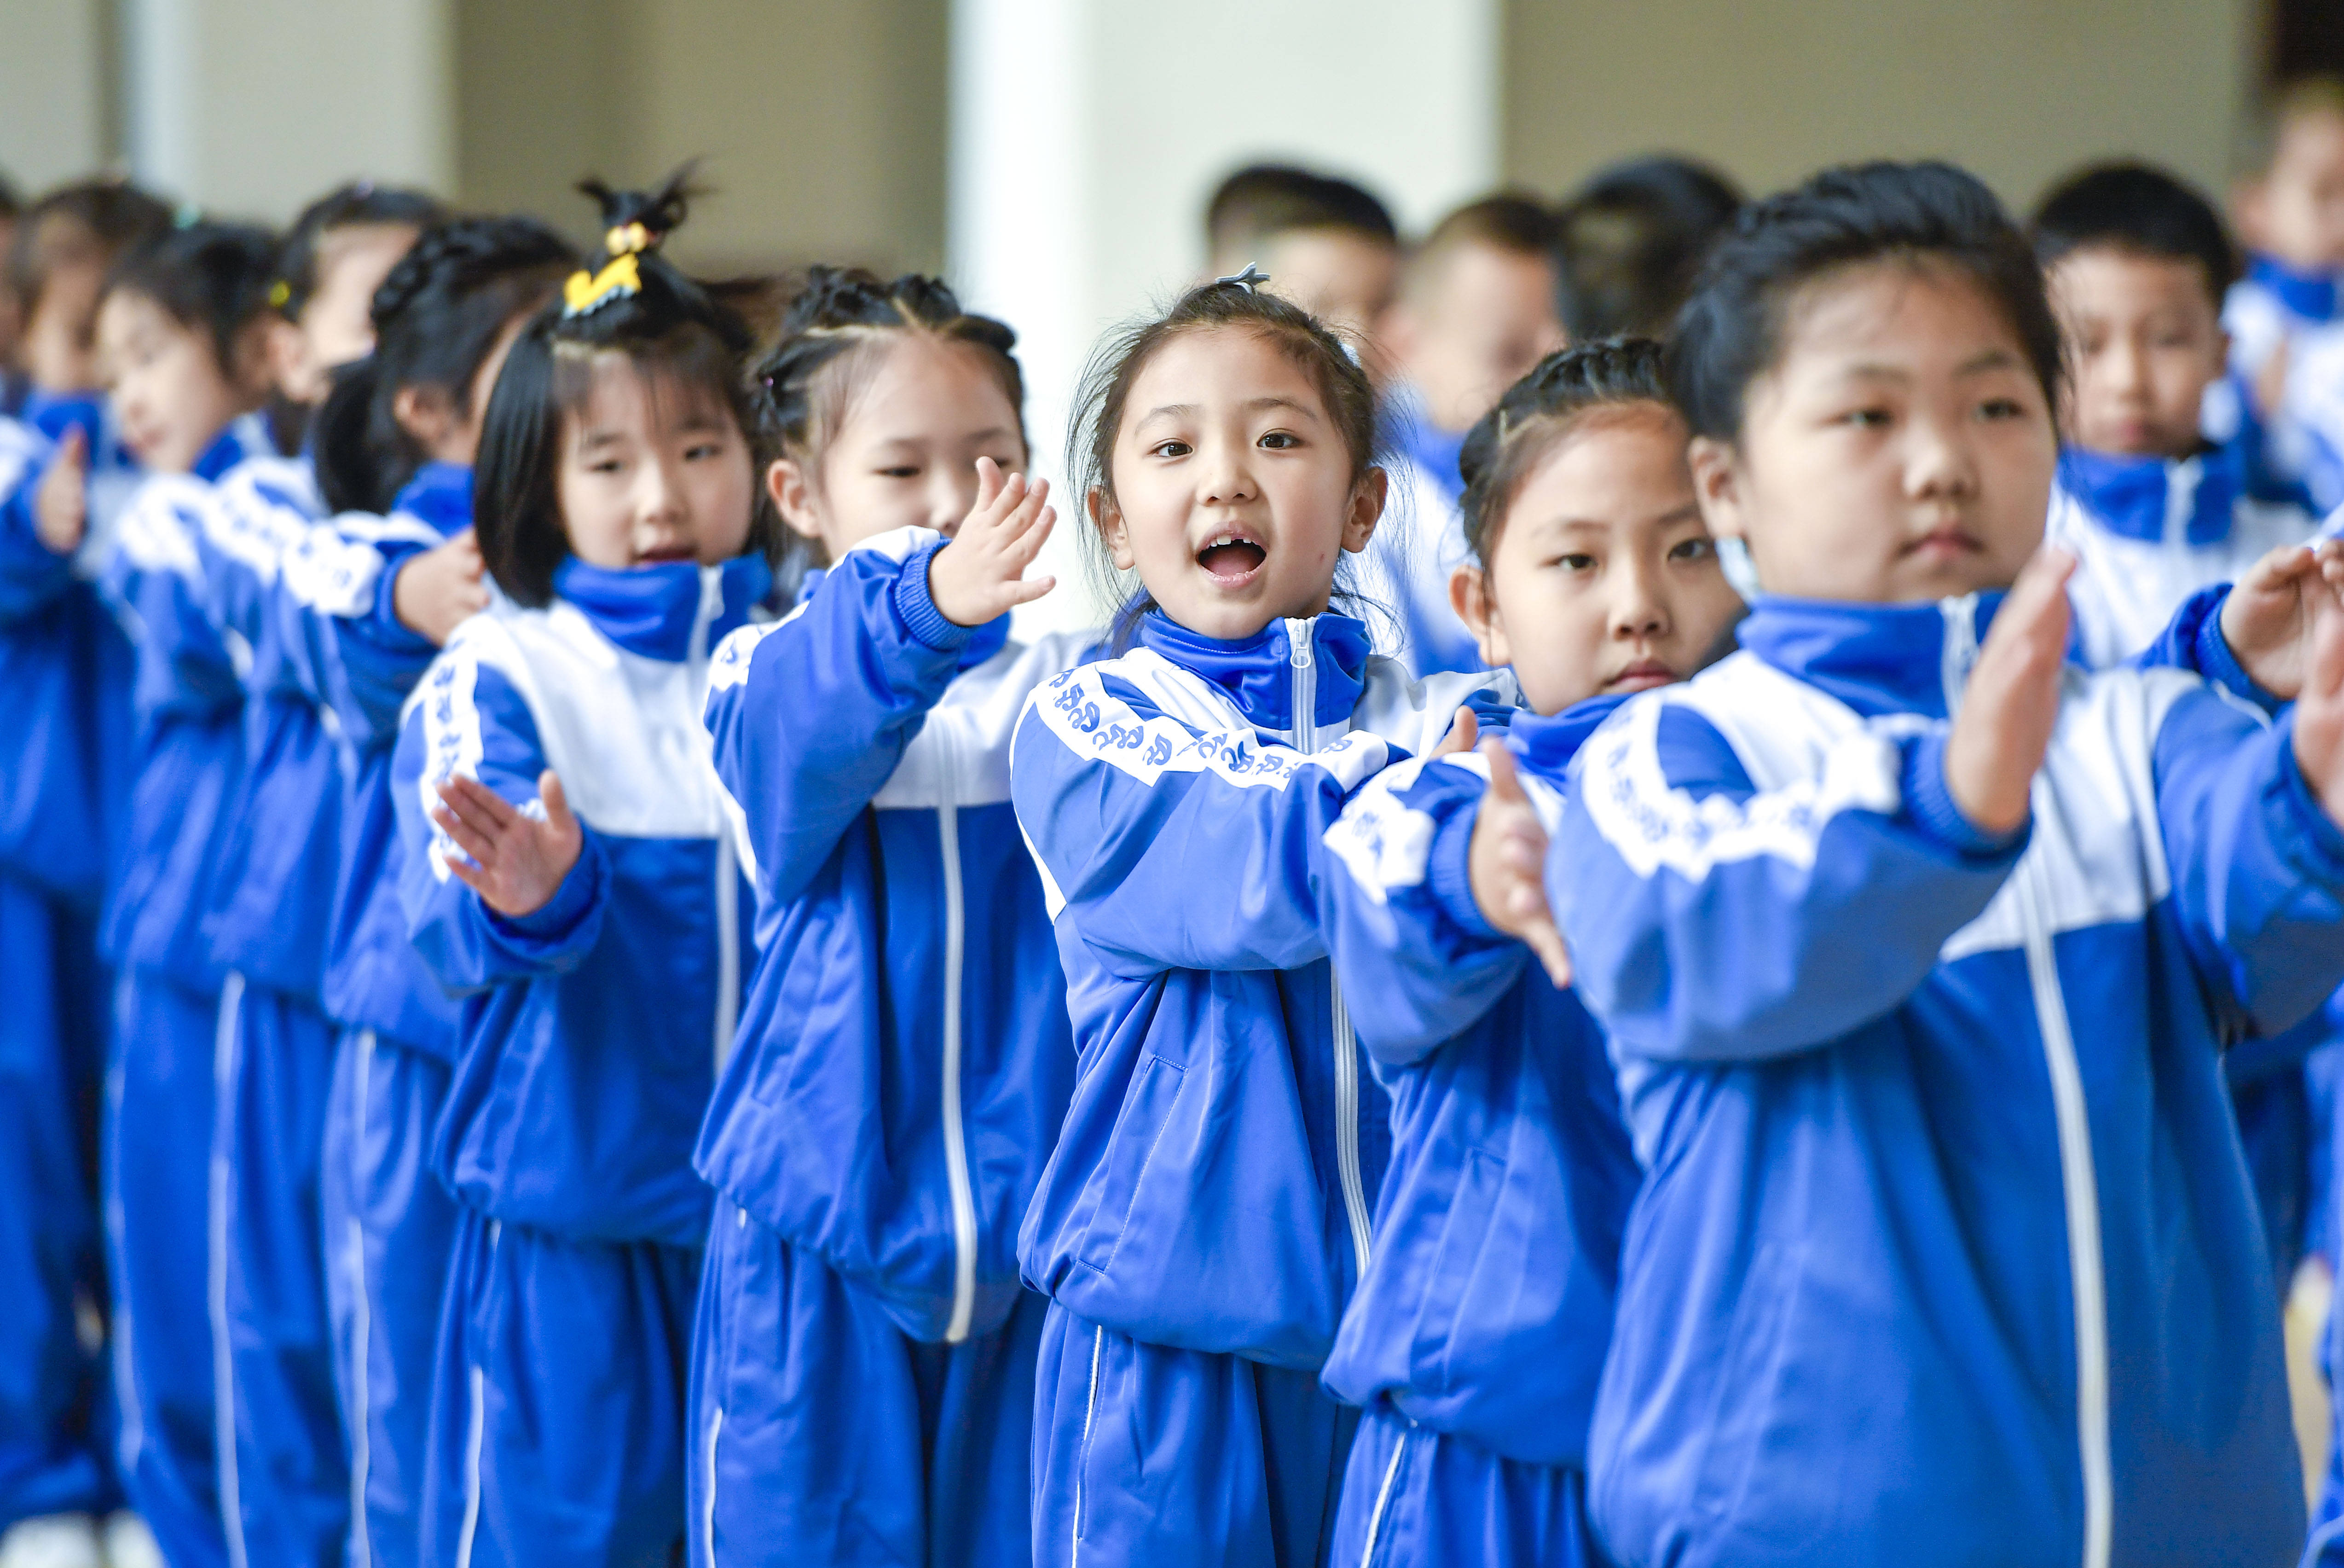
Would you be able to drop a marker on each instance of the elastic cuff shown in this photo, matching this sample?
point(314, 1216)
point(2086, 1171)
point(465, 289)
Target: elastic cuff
point(387, 629)
point(918, 605)
point(1448, 874)
point(1930, 805)
point(2219, 665)
point(557, 921)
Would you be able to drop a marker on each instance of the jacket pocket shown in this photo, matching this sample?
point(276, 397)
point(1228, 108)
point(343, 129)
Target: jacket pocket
point(1138, 1128)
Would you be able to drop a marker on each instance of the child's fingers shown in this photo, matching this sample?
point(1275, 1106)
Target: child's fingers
point(2274, 569)
point(1464, 733)
point(557, 803)
point(1021, 550)
point(478, 802)
point(1025, 589)
point(1546, 943)
point(2326, 676)
point(988, 483)
point(1505, 784)
point(471, 877)
point(73, 449)
point(466, 836)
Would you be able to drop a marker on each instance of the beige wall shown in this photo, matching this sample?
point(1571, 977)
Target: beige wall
point(52, 98)
point(821, 124)
point(2019, 90)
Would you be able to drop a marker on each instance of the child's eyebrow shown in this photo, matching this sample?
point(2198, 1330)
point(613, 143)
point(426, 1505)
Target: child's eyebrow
point(1273, 401)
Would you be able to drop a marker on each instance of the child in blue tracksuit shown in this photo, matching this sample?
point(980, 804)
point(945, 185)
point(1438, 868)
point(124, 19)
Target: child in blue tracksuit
point(378, 589)
point(65, 730)
point(862, 1365)
point(1205, 1215)
point(599, 954)
point(1917, 950)
point(1478, 1330)
point(180, 331)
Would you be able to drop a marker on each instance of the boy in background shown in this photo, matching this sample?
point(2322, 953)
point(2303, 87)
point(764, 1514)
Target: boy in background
point(1327, 244)
point(1629, 241)
point(1476, 312)
point(2287, 329)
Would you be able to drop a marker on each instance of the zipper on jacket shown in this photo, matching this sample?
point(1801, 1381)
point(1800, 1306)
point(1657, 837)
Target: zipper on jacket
point(2079, 1183)
point(1347, 1045)
point(963, 1199)
point(728, 878)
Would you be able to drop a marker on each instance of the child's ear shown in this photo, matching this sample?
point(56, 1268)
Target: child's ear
point(1469, 595)
point(785, 481)
point(1107, 518)
point(1367, 499)
point(287, 354)
point(1717, 484)
point(424, 413)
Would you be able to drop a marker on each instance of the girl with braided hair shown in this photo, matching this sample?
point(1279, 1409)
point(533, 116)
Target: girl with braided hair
point(370, 596)
point(1480, 1327)
point(597, 951)
point(862, 1366)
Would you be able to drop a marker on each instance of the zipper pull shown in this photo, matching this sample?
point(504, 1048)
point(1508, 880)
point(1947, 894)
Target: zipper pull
point(1298, 644)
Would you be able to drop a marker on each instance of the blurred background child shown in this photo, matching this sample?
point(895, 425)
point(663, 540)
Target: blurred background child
point(1328, 244)
point(1629, 239)
point(1476, 310)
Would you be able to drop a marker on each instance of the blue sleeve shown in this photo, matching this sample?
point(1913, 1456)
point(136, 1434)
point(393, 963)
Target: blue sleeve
point(2256, 865)
point(342, 581)
point(2193, 641)
point(242, 539)
point(1417, 962)
point(31, 573)
point(811, 714)
point(1172, 848)
point(1709, 920)
point(466, 719)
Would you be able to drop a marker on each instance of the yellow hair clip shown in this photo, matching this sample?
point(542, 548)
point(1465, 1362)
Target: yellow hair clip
point(588, 291)
point(281, 294)
point(627, 238)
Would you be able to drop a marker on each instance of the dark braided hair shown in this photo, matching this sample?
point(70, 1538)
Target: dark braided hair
point(436, 318)
point(360, 203)
point(1509, 442)
point(833, 330)
point(691, 336)
point(1332, 365)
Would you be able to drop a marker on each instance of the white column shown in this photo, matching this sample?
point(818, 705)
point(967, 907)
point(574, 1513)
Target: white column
point(250, 108)
point(1087, 135)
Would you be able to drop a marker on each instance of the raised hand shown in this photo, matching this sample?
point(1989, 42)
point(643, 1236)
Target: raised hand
point(2012, 702)
point(1464, 733)
point(2268, 618)
point(61, 501)
point(517, 860)
point(2319, 710)
point(980, 573)
point(1507, 866)
point(439, 589)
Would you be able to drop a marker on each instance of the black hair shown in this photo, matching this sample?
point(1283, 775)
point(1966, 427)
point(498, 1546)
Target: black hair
point(358, 204)
point(1629, 241)
point(90, 221)
point(436, 318)
point(1107, 381)
point(1510, 442)
point(1264, 201)
point(2142, 210)
point(210, 278)
point(11, 204)
point(697, 334)
point(2297, 97)
point(1506, 221)
point(1912, 214)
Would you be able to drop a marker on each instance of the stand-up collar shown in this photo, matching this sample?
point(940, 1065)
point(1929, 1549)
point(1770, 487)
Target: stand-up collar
point(440, 494)
point(2193, 499)
point(1258, 674)
point(1877, 658)
point(674, 610)
point(1546, 746)
point(2310, 295)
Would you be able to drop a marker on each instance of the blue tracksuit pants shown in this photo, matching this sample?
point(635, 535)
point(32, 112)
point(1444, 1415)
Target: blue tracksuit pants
point(389, 1230)
point(1414, 1498)
point(557, 1402)
point(822, 1433)
point(52, 1029)
point(1146, 1454)
point(285, 1473)
point(160, 1106)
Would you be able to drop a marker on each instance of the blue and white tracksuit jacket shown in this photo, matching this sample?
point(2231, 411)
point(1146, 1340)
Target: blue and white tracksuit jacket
point(1478, 1332)
point(1205, 1213)
point(587, 1046)
point(66, 735)
point(1944, 1201)
point(2298, 446)
point(389, 1223)
point(2147, 532)
point(903, 1064)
